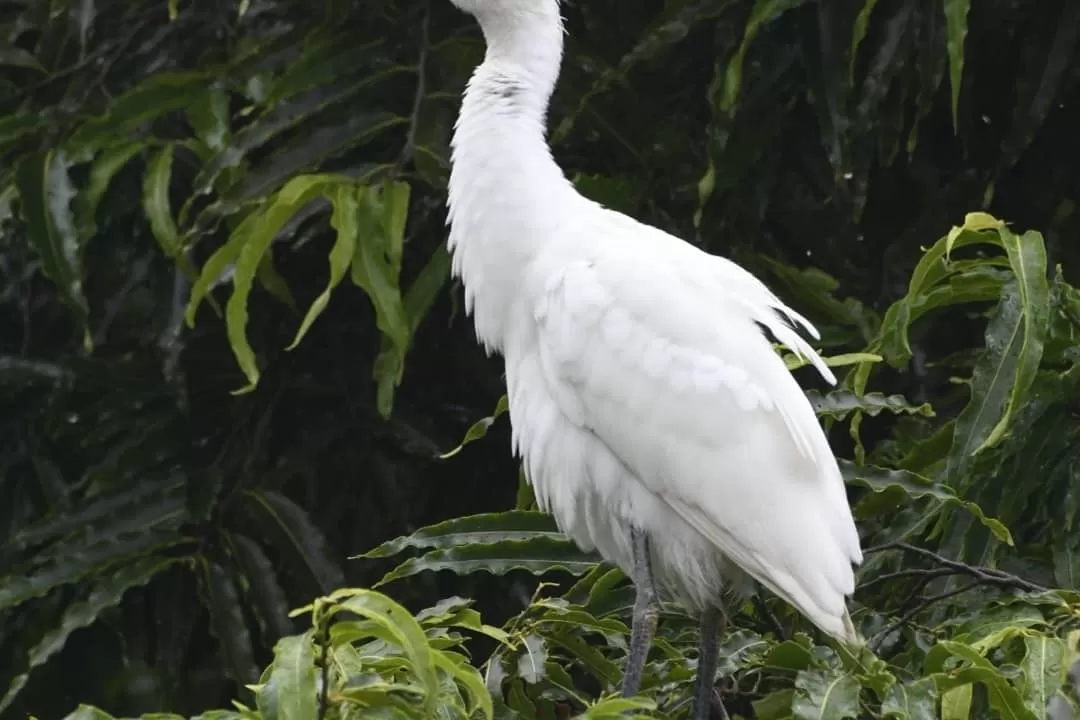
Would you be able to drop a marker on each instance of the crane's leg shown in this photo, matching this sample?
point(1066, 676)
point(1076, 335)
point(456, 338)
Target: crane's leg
point(712, 625)
point(645, 612)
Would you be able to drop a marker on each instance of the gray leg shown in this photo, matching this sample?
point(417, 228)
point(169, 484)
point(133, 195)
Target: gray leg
point(645, 613)
point(712, 625)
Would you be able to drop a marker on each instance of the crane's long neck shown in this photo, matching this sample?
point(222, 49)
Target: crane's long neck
point(507, 195)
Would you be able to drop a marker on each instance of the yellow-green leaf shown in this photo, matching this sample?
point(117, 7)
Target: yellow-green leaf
point(376, 266)
point(346, 208)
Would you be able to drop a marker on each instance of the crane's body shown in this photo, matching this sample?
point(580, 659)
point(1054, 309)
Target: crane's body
point(649, 408)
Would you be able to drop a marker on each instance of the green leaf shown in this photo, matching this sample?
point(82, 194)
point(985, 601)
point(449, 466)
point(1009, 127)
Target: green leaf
point(511, 525)
point(956, 703)
point(883, 480)
point(858, 34)
point(264, 593)
point(533, 659)
point(272, 281)
point(376, 267)
point(418, 300)
point(46, 192)
point(290, 691)
point(617, 708)
point(424, 290)
point(73, 565)
point(795, 362)
point(410, 636)
point(1002, 376)
point(924, 287)
point(825, 695)
point(763, 12)
point(209, 117)
point(106, 592)
point(156, 201)
point(246, 246)
point(148, 503)
point(585, 653)
point(104, 168)
point(1002, 695)
point(296, 539)
point(1043, 671)
point(911, 701)
point(346, 206)
point(1066, 548)
point(774, 706)
point(538, 556)
point(480, 428)
point(838, 404)
point(1027, 257)
point(227, 622)
point(159, 94)
point(468, 677)
point(85, 712)
point(158, 210)
point(956, 24)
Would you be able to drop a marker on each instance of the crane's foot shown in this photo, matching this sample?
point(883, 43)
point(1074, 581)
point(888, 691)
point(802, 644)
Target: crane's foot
point(712, 625)
point(645, 613)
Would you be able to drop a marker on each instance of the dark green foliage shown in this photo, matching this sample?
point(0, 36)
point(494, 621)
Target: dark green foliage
point(231, 357)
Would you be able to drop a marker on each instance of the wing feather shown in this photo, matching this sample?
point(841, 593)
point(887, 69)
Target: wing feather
point(657, 349)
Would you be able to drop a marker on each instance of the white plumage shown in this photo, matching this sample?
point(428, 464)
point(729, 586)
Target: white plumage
point(642, 389)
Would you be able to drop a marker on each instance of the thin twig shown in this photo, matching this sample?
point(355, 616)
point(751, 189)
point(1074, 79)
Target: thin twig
point(926, 602)
point(986, 575)
point(408, 149)
point(946, 566)
point(931, 573)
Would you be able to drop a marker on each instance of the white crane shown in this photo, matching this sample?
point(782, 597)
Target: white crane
point(655, 421)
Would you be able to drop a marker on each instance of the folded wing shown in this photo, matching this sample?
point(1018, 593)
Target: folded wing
point(658, 349)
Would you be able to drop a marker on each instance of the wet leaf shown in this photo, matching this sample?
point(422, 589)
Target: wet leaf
point(858, 34)
point(46, 194)
point(104, 168)
point(227, 622)
point(156, 201)
point(290, 691)
point(1042, 668)
point(376, 267)
point(838, 404)
point(485, 528)
point(882, 480)
point(295, 538)
point(261, 588)
point(824, 695)
point(1002, 695)
point(538, 556)
point(533, 659)
point(344, 221)
point(763, 12)
point(911, 701)
point(1002, 376)
point(106, 592)
point(246, 247)
point(408, 633)
point(156, 95)
point(956, 22)
point(71, 566)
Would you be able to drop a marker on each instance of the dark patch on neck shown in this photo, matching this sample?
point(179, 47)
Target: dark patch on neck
point(505, 89)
